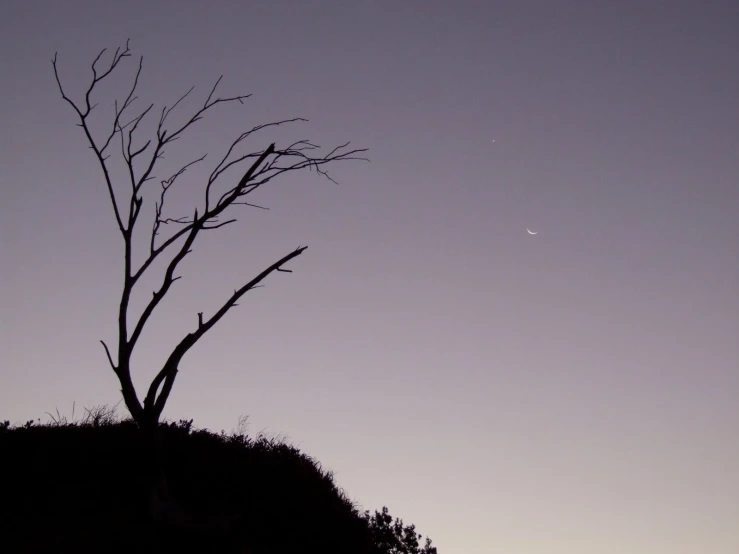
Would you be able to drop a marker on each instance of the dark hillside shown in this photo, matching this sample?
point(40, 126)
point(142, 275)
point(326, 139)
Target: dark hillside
point(91, 488)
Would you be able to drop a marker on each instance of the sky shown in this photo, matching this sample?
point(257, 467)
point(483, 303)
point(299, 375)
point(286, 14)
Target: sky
point(573, 391)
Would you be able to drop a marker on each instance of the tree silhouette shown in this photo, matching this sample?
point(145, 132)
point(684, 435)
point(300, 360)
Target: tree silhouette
point(260, 168)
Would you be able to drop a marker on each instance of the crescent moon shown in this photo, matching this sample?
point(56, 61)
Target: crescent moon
point(531, 232)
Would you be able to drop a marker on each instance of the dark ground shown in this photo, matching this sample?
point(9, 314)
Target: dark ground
point(87, 488)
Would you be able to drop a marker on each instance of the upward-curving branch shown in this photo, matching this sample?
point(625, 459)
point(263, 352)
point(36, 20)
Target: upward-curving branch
point(260, 168)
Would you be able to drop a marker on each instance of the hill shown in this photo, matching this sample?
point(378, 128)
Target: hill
point(103, 485)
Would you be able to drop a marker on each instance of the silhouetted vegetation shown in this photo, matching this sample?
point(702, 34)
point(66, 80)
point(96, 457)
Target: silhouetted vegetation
point(140, 485)
point(84, 487)
point(216, 203)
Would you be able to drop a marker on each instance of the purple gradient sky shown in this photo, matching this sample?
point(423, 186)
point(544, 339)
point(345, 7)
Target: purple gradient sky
point(571, 392)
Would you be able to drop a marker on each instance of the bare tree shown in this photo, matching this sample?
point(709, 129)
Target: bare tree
point(259, 168)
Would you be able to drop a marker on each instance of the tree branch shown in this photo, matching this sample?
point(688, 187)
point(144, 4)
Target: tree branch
point(169, 371)
point(169, 278)
point(110, 358)
point(166, 184)
point(220, 168)
point(83, 123)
